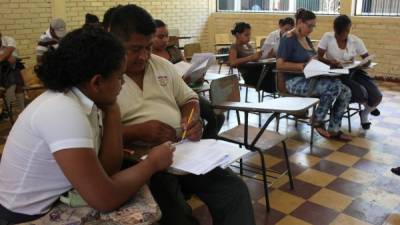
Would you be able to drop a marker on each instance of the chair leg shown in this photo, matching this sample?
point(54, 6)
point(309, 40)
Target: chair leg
point(247, 92)
point(277, 122)
point(288, 165)
point(349, 118)
point(241, 167)
point(227, 115)
point(264, 173)
point(220, 66)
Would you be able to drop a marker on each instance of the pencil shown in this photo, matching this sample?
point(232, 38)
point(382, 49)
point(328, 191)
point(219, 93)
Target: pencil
point(188, 122)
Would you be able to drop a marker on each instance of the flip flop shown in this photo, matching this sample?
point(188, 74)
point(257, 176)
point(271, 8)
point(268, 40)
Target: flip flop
point(376, 112)
point(340, 136)
point(396, 171)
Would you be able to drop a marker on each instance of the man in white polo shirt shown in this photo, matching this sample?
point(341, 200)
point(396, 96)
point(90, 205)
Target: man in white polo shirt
point(155, 106)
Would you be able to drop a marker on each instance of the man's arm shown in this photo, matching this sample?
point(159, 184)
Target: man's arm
point(7, 51)
point(152, 132)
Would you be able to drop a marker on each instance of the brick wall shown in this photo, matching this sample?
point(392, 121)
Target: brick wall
point(189, 16)
point(25, 20)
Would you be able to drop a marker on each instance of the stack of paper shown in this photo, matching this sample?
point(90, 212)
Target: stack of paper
point(203, 156)
point(362, 63)
point(317, 68)
point(197, 67)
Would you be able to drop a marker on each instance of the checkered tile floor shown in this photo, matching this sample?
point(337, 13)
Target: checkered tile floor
point(337, 183)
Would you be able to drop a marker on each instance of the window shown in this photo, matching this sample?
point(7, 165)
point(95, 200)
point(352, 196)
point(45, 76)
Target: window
point(378, 8)
point(279, 6)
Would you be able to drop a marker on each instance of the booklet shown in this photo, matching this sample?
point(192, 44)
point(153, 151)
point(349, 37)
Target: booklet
point(317, 68)
point(202, 156)
point(197, 67)
point(362, 63)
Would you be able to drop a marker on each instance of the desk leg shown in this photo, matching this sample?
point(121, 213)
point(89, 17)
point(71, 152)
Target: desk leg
point(312, 128)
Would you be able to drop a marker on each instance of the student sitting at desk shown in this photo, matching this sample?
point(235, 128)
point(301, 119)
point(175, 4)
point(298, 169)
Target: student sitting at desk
point(155, 105)
point(338, 47)
point(295, 50)
point(241, 53)
point(70, 136)
point(174, 55)
point(271, 43)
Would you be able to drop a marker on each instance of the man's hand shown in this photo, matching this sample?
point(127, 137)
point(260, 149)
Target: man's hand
point(157, 132)
point(161, 156)
point(194, 129)
point(110, 109)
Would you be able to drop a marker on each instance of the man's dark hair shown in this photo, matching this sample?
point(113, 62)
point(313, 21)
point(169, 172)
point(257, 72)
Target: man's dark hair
point(131, 19)
point(91, 18)
point(81, 54)
point(107, 17)
point(341, 23)
point(287, 21)
point(240, 27)
point(159, 23)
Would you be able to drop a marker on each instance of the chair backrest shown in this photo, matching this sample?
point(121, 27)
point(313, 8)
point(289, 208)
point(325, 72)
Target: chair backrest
point(173, 40)
point(259, 41)
point(225, 89)
point(262, 42)
point(32, 85)
point(190, 49)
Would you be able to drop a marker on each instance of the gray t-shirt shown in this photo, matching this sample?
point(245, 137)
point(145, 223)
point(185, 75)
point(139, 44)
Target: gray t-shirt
point(291, 50)
point(243, 50)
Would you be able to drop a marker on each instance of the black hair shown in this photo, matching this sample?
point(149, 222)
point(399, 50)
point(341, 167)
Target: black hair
point(240, 27)
point(107, 17)
point(304, 15)
point(159, 23)
point(131, 19)
point(286, 21)
point(81, 54)
point(90, 18)
point(341, 23)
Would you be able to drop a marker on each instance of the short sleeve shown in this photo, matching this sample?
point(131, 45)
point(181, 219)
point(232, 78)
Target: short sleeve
point(323, 43)
point(64, 126)
point(10, 42)
point(285, 49)
point(182, 92)
point(359, 46)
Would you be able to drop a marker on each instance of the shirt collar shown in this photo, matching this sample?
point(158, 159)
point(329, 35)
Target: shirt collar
point(86, 103)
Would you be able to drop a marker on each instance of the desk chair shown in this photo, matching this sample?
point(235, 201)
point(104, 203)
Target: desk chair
point(190, 49)
point(33, 87)
point(224, 94)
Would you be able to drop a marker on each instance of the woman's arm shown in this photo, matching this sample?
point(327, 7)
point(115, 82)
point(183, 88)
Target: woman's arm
point(235, 61)
point(102, 192)
point(281, 64)
point(321, 54)
point(111, 153)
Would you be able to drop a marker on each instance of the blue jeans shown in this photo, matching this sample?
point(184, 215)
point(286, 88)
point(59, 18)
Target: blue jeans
point(333, 95)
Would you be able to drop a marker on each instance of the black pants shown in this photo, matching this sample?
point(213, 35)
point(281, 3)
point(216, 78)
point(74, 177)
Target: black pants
point(8, 217)
point(214, 121)
point(225, 194)
point(363, 89)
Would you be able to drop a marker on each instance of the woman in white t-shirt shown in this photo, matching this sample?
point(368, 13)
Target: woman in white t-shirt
point(338, 47)
point(70, 136)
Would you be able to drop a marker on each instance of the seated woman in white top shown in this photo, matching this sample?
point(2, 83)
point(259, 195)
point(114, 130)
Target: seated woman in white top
point(70, 136)
point(271, 43)
point(336, 48)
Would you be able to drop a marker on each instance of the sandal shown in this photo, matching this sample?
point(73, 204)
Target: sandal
point(396, 171)
point(340, 136)
point(376, 112)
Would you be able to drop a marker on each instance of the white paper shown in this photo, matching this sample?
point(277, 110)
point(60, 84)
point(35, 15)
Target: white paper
point(197, 67)
point(203, 156)
point(362, 63)
point(318, 68)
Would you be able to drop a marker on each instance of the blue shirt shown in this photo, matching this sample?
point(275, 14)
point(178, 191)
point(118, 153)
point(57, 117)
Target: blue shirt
point(291, 50)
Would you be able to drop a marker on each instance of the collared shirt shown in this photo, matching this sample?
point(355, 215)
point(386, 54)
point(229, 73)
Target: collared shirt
point(271, 42)
point(354, 47)
point(30, 178)
point(46, 41)
point(7, 41)
point(164, 92)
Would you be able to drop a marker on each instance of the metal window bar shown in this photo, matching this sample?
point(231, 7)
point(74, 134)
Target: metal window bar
point(279, 6)
point(377, 8)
